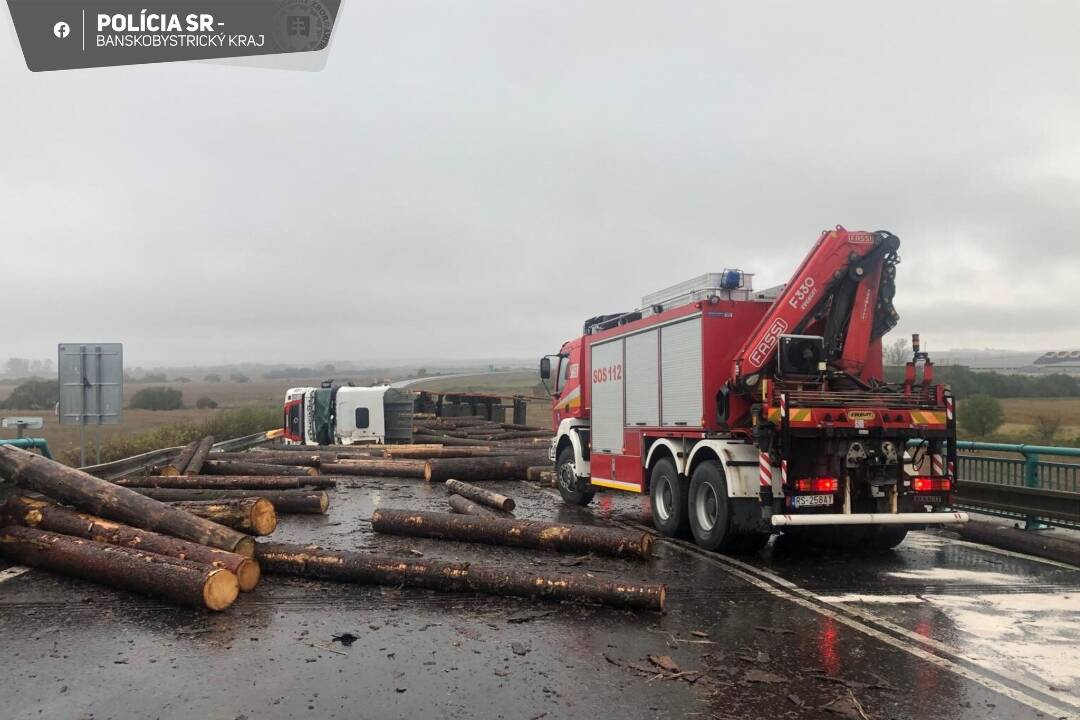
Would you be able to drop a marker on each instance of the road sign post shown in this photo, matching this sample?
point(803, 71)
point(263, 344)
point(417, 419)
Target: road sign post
point(91, 388)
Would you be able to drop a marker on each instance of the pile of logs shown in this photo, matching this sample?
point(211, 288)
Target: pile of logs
point(120, 538)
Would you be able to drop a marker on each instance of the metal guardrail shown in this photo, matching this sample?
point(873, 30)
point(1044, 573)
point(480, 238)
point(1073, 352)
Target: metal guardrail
point(136, 463)
point(29, 444)
point(1039, 492)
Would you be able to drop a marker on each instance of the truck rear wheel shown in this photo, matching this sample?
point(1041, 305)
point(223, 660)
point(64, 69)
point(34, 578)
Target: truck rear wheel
point(710, 511)
point(574, 490)
point(668, 493)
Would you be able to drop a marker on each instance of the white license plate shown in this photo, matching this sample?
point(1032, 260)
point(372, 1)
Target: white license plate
point(798, 501)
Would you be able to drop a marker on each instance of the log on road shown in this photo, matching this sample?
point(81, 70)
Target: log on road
point(169, 578)
point(465, 506)
point(235, 467)
point(501, 467)
point(377, 468)
point(452, 441)
point(45, 515)
point(542, 474)
point(215, 482)
point(481, 495)
point(344, 566)
point(517, 533)
point(272, 458)
point(195, 466)
point(441, 452)
point(302, 502)
point(253, 515)
point(177, 466)
point(103, 498)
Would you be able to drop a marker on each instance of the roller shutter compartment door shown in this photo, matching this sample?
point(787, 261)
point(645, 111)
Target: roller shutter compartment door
point(607, 396)
point(643, 379)
point(680, 374)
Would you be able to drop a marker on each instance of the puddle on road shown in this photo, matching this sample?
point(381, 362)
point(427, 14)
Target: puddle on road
point(946, 574)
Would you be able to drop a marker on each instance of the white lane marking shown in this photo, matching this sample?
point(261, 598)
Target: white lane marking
point(13, 572)
point(804, 598)
point(1011, 553)
point(838, 616)
point(887, 624)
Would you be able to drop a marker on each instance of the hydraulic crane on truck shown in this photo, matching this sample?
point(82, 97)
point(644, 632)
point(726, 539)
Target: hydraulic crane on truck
point(743, 413)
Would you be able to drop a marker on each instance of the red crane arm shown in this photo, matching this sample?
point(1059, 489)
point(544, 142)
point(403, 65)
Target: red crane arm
point(845, 280)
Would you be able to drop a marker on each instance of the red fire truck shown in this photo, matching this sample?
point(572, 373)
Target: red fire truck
point(744, 413)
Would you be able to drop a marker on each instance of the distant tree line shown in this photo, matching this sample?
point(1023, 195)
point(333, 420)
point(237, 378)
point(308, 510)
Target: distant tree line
point(966, 382)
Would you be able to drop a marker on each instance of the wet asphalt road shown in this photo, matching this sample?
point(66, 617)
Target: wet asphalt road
point(938, 628)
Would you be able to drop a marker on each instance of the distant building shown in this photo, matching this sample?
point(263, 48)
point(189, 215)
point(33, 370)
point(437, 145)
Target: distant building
point(1059, 361)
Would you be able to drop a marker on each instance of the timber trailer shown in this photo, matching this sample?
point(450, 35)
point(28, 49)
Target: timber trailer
point(744, 413)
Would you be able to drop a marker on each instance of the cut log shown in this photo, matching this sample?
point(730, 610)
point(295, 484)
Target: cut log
point(45, 515)
point(214, 482)
point(441, 452)
point(517, 533)
point(195, 466)
point(377, 468)
point(302, 502)
point(343, 566)
point(542, 474)
point(451, 441)
point(274, 458)
point(177, 466)
point(253, 515)
point(103, 498)
point(234, 467)
point(502, 467)
point(465, 506)
point(169, 578)
point(480, 495)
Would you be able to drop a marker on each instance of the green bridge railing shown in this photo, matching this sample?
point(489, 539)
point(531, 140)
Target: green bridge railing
point(1029, 470)
point(29, 444)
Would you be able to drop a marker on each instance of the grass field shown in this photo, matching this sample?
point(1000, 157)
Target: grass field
point(63, 439)
point(1021, 415)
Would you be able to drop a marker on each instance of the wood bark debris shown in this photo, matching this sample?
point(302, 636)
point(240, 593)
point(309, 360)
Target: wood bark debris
point(517, 533)
point(169, 578)
point(346, 566)
point(103, 498)
point(481, 495)
point(44, 515)
point(253, 515)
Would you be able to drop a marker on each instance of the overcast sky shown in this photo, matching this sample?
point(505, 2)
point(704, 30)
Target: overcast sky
point(473, 179)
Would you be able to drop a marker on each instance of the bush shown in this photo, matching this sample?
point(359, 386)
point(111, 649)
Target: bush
point(225, 425)
point(157, 398)
point(205, 403)
point(239, 378)
point(980, 415)
point(153, 378)
point(1046, 427)
point(182, 379)
point(33, 395)
point(212, 378)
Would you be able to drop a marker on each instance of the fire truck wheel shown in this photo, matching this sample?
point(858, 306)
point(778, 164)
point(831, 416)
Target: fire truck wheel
point(574, 490)
point(710, 511)
point(668, 492)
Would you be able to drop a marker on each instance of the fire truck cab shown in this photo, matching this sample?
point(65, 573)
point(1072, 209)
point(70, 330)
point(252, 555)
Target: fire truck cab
point(743, 413)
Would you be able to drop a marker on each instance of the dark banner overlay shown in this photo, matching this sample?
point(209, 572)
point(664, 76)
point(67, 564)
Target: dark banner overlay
point(67, 34)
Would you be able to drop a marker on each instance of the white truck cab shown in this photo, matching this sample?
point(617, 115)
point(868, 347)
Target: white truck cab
point(346, 415)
